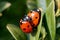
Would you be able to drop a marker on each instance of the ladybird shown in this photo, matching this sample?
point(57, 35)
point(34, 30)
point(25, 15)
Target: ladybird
point(25, 24)
point(35, 15)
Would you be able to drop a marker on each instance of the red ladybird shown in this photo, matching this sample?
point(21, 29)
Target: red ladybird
point(25, 24)
point(35, 15)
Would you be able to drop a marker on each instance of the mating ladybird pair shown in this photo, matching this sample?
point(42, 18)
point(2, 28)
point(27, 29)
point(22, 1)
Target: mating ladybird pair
point(30, 21)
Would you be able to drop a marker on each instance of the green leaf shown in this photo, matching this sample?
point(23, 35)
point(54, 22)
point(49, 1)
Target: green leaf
point(48, 2)
point(58, 25)
point(37, 34)
point(4, 5)
point(50, 17)
point(16, 32)
point(57, 13)
point(41, 4)
point(31, 4)
point(43, 32)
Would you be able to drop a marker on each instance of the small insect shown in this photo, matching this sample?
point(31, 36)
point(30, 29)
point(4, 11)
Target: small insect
point(25, 24)
point(30, 21)
point(35, 15)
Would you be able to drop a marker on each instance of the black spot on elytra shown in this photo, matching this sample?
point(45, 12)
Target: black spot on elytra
point(24, 28)
point(28, 26)
point(36, 17)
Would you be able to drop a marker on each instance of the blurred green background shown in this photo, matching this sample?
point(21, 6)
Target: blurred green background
point(11, 15)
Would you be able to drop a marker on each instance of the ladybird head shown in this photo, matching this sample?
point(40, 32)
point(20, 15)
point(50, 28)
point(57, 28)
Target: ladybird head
point(37, 10)
point(26, 18)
